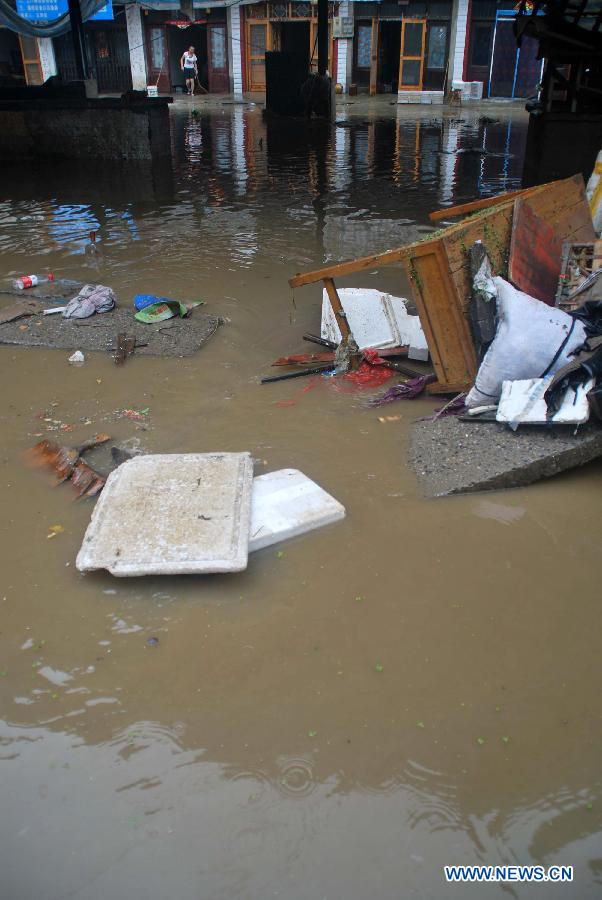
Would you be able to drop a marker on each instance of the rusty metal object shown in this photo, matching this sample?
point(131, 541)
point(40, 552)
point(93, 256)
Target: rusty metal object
point(67, 464)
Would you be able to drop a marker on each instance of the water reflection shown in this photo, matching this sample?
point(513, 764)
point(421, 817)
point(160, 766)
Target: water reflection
point(164, 818)
point(394, 170)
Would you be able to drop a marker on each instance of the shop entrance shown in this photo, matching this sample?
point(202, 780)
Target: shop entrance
point(389, 55)
point(180, 39)
point(209, 40)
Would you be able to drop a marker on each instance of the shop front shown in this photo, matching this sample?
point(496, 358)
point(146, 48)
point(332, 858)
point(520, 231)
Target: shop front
point(107, 52)
point(401, 46)
point(289, 27)
point(168, 35)
point(506, 70)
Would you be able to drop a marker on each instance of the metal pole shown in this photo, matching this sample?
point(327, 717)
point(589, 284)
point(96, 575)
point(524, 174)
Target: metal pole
point(322, 36)
point(79, 41)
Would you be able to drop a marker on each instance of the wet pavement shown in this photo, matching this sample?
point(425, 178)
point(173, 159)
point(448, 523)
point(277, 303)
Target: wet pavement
point(415, 686)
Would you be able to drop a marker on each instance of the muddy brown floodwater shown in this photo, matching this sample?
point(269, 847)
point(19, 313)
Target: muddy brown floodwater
point(416, 686)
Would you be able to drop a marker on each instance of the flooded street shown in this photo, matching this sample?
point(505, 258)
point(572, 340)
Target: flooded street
point(416, 686)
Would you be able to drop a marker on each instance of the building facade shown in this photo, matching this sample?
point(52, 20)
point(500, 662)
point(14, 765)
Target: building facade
point(418, 50)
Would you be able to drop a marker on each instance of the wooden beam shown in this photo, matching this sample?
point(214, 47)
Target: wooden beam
point(435, 387)
point(351, 266)
point(374, 46)
point(465, 209)
point(337, 308)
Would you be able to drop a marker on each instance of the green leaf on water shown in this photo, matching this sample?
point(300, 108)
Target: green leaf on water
point(589, 806)
point(280, 554)
point(55, 696)
point(359, 599)
point(312, 734)
point(3, 673)
point(379, 667)
point(420, 724)
point(505, 739)
point(480, 741)
point(36, 664)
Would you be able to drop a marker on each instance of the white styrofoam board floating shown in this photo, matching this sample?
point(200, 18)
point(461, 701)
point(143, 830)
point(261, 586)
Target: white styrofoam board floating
point(172, 514)
point(376, 319)
point(523, 403)
point(288, 503)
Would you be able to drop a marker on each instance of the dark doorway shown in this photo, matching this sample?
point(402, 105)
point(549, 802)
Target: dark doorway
point(65, 56)
point(111, 55)
point(11, 63)
point(390, 42)
point(479, 52)
point(180, 39)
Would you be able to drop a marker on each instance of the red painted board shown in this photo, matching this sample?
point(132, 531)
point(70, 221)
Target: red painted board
point(535, 254)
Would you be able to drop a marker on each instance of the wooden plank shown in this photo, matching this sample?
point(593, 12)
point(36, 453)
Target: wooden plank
point(337, 308)
point(446, 329)
point(348, 268)
point(465, 209)
point(437, 388)
point(374, 45)
point(535, 254)
point(304, 359)
point(493, 230)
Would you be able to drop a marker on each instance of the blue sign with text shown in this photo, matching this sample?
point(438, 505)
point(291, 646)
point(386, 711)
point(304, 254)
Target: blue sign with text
point(47, 10)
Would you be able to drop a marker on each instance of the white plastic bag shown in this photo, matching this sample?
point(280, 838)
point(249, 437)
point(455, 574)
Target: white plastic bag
point(527, 343)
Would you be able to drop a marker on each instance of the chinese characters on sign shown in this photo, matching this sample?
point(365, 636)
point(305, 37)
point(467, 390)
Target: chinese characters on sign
point(47, 10)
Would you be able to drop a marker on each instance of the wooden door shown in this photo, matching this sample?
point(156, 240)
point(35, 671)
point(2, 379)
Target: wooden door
point(157, 57)
point(479, 51)
point(257, 44)
point(217, 58)
point(411, 54)
point(374, 45)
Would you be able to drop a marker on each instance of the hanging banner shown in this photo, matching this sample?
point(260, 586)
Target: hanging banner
point(47, 10)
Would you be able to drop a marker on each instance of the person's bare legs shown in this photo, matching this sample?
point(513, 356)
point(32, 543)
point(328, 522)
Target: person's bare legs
point(190, 86)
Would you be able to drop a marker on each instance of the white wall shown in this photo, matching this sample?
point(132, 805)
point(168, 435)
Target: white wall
point(343, 73)
point(235, 49)
point(459, 27)
point(133, 19)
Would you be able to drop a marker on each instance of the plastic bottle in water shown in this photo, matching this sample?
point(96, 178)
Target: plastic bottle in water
point(92, 249)
point(29, 281)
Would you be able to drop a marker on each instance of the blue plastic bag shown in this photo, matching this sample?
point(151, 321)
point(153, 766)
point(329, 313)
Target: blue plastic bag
point(141, 301)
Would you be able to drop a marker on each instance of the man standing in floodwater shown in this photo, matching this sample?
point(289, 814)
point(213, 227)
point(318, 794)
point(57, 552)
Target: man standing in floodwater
point(188, 64)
